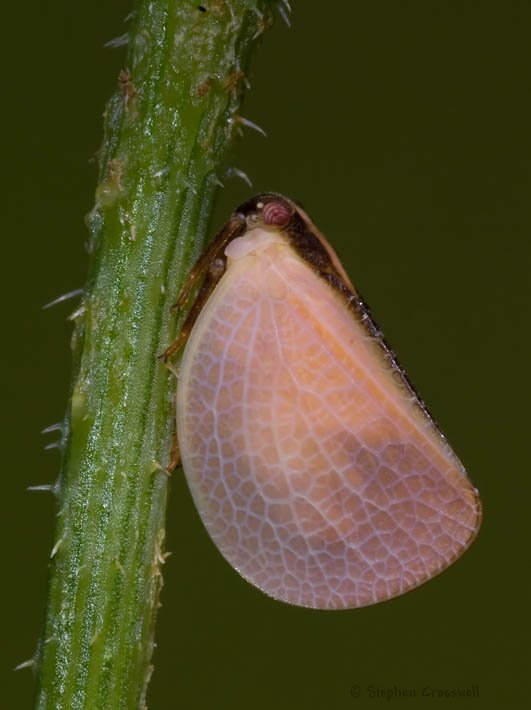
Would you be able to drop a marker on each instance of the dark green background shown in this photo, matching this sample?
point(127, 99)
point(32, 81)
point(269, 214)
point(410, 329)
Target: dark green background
point(405, 130)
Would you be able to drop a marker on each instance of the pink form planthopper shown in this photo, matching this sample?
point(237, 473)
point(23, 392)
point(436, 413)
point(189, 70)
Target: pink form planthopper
point(314, 465)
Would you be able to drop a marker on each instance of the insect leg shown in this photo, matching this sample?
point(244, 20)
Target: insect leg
point(231, 229)
point(175, 457)
point(215, 272)
point(210, 265)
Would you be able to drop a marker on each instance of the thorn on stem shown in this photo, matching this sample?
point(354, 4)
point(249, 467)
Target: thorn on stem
point(284, 9)
point(78, 312)
point(56, 547)
point(25, 664)
point(120, 41)
point(50, 487)
point(159, 468)
point(174, 371)
point(250, 124)
point(236, 172)
point(64, 297)
point(58, 426)
point(53, 445)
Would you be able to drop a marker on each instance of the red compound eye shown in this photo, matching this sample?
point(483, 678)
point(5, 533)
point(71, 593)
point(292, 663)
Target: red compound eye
point(277, 213)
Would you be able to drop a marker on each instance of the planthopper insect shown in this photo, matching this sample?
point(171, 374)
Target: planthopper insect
point(314, 465)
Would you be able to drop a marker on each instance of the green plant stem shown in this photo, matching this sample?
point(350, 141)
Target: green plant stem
point(167, 131)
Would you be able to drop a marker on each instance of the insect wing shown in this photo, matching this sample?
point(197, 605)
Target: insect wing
point(314, 470)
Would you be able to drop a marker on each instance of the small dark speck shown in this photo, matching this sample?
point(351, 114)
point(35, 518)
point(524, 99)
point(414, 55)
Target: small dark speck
point(202, 8)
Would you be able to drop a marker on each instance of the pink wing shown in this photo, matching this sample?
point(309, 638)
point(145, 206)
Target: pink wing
point(314, 470)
